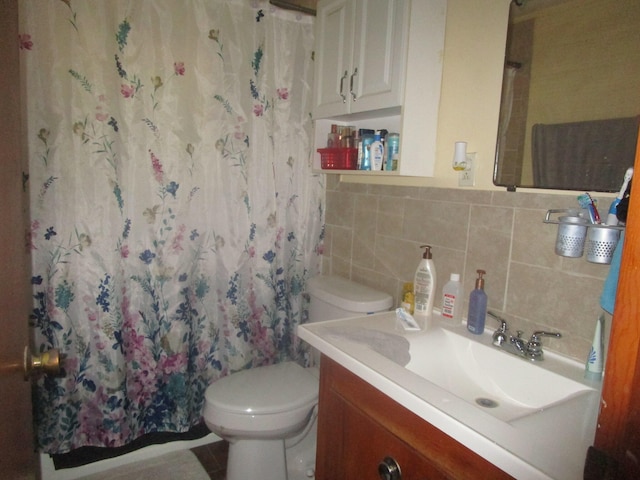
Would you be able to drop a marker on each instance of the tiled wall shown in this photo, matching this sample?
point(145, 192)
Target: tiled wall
point(373, 233)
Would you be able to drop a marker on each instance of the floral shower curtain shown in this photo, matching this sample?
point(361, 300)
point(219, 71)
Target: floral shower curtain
point(174, 215)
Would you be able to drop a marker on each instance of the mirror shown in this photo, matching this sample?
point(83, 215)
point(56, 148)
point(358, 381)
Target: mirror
point(571, 95)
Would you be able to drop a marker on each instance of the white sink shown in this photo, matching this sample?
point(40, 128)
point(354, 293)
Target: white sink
point(502, 384)
point(533, 420)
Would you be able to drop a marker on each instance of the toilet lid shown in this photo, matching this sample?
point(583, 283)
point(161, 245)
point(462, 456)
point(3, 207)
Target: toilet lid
point(265, 390)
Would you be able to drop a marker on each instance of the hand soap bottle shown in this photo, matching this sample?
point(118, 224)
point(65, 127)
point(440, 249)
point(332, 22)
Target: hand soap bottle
point(477, 306)
point(424, 284)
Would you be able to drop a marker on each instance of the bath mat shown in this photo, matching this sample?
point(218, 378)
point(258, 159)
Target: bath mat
point(182, 465)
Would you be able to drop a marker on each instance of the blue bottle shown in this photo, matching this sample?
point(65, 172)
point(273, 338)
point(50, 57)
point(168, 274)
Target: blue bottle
point(477, 306)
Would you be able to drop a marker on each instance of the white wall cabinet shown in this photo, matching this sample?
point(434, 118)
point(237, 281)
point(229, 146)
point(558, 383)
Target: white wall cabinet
point(378, 64)
point(360, 55)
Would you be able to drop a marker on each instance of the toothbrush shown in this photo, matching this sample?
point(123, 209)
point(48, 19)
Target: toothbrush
point(586, 201)
point(594, 209)
point(612, 218)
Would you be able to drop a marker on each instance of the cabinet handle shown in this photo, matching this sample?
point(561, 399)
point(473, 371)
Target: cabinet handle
point(353, 94)
point(344, 77)
point(389, 469)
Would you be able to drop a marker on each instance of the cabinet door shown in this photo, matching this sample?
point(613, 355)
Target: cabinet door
point(333, 57)
point(379, 51)
point(360, 55)
point(358, 426)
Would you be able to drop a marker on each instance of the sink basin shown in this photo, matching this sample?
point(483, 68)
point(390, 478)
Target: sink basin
point(533, 420)
point(504, 385)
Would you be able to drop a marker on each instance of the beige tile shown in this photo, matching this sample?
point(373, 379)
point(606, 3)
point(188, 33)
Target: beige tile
point(328, 239)
point(340, 208)
point(436, 223)
point(533, 240)
point(391, 214)
point(548, 297)
point(341, 266)
point(341, 242)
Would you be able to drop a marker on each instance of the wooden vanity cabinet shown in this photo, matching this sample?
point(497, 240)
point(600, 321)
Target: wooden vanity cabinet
point(359, 426)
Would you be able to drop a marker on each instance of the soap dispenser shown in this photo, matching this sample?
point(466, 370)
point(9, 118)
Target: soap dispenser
point(424, 284)
point(477, 306)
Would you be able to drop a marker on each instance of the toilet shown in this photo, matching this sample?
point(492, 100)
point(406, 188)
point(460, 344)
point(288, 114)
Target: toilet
point(268, 414)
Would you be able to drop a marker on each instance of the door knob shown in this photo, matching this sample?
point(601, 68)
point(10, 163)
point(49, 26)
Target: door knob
point(47, 362)
point(389, 469)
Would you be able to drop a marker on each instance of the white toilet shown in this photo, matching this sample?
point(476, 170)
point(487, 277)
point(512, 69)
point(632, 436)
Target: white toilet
point(268, 413)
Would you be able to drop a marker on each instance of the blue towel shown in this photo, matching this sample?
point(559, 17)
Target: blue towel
point(608, 297)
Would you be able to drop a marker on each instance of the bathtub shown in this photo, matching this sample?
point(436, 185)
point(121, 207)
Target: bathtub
point(48, 471)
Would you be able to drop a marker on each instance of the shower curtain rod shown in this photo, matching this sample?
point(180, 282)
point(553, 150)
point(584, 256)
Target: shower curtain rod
point(291, 5)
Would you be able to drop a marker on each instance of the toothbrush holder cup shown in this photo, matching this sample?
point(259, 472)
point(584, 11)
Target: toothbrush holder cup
point(572, 232)
point(601, 243)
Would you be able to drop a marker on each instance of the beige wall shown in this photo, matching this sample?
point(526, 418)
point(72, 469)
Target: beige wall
point(373, 231)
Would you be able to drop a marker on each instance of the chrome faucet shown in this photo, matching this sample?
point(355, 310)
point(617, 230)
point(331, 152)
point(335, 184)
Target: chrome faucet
point(516, 345)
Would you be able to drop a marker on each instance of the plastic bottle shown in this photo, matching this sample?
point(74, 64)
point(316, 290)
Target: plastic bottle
point(377, 152)
point(477, 306)
point(365, 163)
point(393, 149)
point(407, 297)
point(452, 299)
point(424, 284)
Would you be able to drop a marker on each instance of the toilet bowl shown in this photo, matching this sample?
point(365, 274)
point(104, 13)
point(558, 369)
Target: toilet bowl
point(268, 413)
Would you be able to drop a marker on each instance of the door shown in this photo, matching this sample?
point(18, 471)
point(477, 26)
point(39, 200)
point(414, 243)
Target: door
point(17, 458)
point(618, 435)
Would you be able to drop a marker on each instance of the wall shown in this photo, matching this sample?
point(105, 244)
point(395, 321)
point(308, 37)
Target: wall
point(373, 233)
point(373, 229)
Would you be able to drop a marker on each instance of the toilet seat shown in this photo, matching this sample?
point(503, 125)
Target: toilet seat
point(264, 401)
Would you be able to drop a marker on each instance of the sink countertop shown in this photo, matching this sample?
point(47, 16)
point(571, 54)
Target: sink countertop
point(548, 444)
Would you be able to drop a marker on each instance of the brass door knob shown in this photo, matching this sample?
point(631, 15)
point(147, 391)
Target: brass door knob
point(48, 363)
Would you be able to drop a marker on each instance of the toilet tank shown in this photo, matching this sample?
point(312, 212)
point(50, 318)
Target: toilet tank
point(333, 297)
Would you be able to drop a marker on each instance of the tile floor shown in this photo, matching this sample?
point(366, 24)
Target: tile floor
point(213, 458)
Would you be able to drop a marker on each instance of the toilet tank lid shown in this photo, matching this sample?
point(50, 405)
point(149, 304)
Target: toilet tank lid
point(348, 295)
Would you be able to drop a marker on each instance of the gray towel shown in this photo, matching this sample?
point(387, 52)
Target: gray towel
point(564, 154)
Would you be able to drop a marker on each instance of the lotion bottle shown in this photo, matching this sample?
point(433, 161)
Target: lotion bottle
point(477, 306)
point(452, 299)
point(424, 284)
point(377, 152)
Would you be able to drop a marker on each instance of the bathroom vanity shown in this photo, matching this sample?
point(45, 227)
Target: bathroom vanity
point(444, 403)
point(362, 432)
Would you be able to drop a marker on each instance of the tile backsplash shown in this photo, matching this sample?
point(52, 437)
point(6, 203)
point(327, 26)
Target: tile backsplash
point(373, 234)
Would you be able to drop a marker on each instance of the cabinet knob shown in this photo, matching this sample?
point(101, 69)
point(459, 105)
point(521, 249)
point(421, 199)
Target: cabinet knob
point(389, 469)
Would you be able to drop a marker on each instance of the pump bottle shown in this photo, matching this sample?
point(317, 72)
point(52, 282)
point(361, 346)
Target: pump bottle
point(477, 306)
point(424, 284)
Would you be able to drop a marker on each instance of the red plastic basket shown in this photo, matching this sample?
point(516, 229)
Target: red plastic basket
point(338, 158)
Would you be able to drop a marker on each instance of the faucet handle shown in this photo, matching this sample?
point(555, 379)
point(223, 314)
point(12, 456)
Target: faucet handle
point(500, 335)
point(503, 324)
point(535, 335)
point(534, 347)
